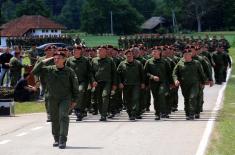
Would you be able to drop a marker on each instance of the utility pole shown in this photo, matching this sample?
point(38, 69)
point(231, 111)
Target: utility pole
point(111, 24)
point(174, 22)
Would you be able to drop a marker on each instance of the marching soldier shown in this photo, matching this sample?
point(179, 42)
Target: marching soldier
point(104, 80)
point(82, 68)
point(189, 74)
point(131, 78)
point(63, 94)
point(158, 71)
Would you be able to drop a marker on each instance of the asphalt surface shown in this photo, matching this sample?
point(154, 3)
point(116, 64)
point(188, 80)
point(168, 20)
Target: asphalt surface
point(31, 135)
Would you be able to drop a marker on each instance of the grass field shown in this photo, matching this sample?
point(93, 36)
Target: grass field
point(93, 40)
point(223, 137)
point(29, 107)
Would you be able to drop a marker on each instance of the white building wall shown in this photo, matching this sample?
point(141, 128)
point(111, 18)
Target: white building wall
point(3, 42)
point(46, 32)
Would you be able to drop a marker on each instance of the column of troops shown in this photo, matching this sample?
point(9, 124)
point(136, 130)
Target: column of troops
point(111, 79)
point(40, 40)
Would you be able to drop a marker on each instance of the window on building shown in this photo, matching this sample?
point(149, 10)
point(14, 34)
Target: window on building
point(46, 31)
point(52, 31)
point(43, 31)
point(33, 30)
point(55, 31)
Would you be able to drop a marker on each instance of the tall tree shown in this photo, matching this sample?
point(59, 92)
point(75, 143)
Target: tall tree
point(8, 10)
point(96, 17)
point(70, 14)
point(32, 7)
point(146, 8)
point(229, 14)
point(55, 6)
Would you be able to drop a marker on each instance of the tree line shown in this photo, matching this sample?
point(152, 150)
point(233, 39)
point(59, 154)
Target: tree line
point(94, 16)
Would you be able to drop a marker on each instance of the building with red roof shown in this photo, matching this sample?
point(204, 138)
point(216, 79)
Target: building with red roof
point(27, 26)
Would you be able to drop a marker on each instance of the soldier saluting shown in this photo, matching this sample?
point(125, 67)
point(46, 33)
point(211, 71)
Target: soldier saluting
point(62, 85)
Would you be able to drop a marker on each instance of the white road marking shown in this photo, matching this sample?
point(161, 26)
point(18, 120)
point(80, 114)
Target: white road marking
point(210, 124)
point(22, 134)
point(4, 141)
point(36, 128)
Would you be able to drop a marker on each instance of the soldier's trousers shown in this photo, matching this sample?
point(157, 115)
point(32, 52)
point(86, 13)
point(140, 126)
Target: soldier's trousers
point(159, 98)
point(225, 73)
point(175, 98)
point(219, 73)
point(148, 98)
point(115, 101)
point(82, 104)
point(200, 100)
point(103, 91)
point(59, 110)
point(190, 93)
point(132, 94)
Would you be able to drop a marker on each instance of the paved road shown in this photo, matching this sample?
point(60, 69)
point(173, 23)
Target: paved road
point(30, 135)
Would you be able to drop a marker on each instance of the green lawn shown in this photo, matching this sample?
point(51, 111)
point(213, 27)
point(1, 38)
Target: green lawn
point(223, 137)
point(92, 41)
point(29, 107)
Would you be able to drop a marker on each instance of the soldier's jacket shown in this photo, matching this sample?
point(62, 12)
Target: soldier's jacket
point(189, 72)
point(205, 65)
point(209, 57)
point(171, 65)
point(130, 73)
point(16, 66)
point(141, 59)
point(82, 68)
point(219, 58)
point(157, 67)
point(225, 43)
point(103, 70)
point(61, 83)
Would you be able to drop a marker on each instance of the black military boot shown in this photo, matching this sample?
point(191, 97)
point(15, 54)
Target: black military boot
point(197, 116)
point(62, 142)
point(111, 115)
point(55, 144)
point(132, 118)
point(103, 119)
point(79, 115)
point(157, 117)
point(62, 145)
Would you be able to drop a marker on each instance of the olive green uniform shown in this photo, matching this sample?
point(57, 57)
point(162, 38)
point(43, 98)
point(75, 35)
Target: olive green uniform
point(104, 73)
point(82, 68)
point(131, 75)
point(191, 76)
point(62, 85)
point(160, 68)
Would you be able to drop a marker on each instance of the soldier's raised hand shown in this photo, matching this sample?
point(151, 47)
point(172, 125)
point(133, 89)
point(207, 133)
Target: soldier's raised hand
point(177, 83)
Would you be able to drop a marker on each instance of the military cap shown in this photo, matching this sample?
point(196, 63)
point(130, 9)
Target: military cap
point(78, 47)
point(102, 46)
point(128, 51)
point(60, 51)
point(50, 47)
point(187, 51)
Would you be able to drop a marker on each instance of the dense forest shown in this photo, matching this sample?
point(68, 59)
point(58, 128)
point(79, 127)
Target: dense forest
point(94, 16)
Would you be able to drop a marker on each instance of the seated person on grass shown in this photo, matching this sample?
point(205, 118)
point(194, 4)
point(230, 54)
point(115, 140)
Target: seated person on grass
point(24, 92)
